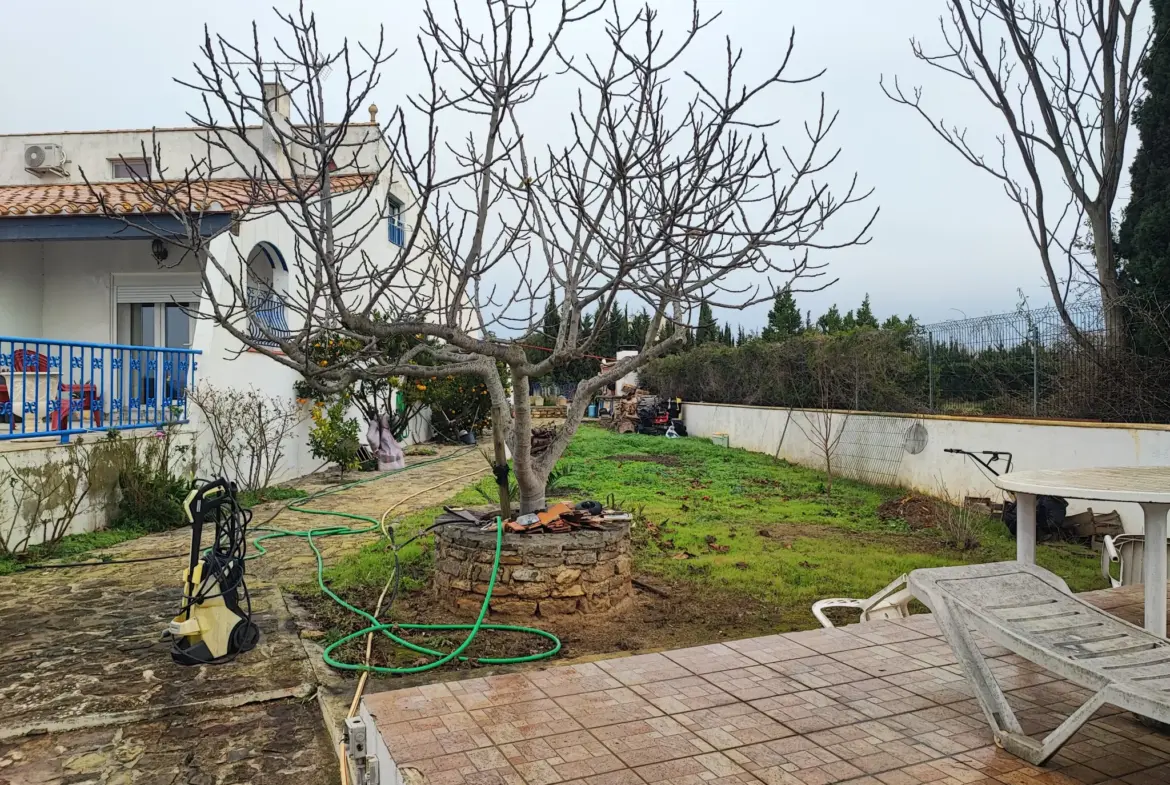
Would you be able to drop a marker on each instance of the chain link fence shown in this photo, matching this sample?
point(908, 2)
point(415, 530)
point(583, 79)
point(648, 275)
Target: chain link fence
point(1015, 364)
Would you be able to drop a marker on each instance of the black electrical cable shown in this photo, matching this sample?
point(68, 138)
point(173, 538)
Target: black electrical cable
point(69, 565)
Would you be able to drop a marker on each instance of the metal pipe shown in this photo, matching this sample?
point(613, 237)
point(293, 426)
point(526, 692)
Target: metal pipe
point(930, 367)
point(1035, 371)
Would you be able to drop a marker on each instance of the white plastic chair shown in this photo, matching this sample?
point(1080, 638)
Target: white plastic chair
point(892, 602)
point(1128, 552)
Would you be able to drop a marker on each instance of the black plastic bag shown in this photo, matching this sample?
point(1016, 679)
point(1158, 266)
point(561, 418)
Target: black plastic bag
point(1050, 514)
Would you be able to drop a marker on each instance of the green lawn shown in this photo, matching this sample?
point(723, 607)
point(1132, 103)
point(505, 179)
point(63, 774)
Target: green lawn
point(738, 523)
point(714, 498)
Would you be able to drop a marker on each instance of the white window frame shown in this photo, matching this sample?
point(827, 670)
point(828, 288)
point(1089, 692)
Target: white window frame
point(130, 164)
point(154, 289)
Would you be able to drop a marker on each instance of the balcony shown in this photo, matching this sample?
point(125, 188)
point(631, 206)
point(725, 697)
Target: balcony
point(266, 312)
point(61, 388)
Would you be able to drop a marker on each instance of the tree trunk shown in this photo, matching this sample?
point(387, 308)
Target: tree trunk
point(499, 444)
point(828, 471)
point(1111, 305)
point(530, 480)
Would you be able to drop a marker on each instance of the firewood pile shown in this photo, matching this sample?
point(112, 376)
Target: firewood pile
point(558, 519)
point(625, 419)
point(542, 439)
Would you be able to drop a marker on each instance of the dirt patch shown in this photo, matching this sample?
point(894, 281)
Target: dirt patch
point(786, 534)
point(919, 512)
point(664, 615)
point(764, 482)
point(664, 460)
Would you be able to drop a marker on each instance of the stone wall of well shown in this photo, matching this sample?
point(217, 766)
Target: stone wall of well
point(582, 572)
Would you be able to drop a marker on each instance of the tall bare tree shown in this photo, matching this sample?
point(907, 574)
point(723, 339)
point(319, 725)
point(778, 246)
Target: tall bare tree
point(662, 188)
point(1063, 76)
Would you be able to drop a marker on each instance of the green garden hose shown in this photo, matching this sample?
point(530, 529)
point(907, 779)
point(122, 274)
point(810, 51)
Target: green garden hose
point(386, 629)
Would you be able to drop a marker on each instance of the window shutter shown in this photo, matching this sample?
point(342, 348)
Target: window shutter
point(179, 287)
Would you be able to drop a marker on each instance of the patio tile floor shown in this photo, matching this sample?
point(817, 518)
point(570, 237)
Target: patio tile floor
point(877, 704)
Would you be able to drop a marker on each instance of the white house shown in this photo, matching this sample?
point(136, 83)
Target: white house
point(94, 327)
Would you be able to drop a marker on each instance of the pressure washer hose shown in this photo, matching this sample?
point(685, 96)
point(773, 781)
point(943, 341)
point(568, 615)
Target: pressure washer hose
point(375, 626)
point(385, 629)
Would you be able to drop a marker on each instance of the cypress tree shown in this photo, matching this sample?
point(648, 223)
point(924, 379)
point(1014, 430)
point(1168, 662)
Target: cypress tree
point(1144, 236)
point(784, 319)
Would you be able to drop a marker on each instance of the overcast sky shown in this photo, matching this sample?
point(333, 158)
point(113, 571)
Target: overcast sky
point(947, 243)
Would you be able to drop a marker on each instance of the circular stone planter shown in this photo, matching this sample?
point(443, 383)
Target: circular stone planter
point(583, 572)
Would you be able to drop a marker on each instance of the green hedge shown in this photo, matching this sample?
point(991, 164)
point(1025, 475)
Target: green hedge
point(872, 370)
point(891, 370)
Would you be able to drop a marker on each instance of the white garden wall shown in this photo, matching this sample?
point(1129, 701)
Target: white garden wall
point(878, 448)
point(29, 458)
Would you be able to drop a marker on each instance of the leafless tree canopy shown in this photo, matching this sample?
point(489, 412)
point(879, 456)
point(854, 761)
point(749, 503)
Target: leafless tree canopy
point(1063, 75)
point(663, 187)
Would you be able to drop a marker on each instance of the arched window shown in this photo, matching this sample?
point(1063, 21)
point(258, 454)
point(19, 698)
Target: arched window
point(267, 289)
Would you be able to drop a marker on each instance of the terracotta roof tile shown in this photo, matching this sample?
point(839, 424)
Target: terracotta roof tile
point(128, 197)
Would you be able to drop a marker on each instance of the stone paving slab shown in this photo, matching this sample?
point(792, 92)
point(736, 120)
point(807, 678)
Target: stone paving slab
point(873, 704)
point(262, 744)
point(81, 658)
point(97, 650)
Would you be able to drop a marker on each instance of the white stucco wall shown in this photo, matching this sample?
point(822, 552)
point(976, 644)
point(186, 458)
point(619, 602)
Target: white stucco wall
point(226, 362)
point(93, 152)
point(22, 290)
point(65, 290)
point(1034, 445)
point(79, 284)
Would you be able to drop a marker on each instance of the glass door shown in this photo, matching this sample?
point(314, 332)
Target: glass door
point(177, 331)
point(145, 373)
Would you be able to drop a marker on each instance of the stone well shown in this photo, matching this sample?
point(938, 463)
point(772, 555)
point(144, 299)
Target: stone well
point(583, 572)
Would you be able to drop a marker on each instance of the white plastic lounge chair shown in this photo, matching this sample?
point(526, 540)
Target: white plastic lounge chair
point(891, 602)
point(1031, 612)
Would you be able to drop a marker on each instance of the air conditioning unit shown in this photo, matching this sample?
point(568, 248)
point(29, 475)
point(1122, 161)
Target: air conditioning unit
point(41, 159)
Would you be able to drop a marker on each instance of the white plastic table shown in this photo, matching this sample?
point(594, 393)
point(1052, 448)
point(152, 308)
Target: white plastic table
point(1148, 486)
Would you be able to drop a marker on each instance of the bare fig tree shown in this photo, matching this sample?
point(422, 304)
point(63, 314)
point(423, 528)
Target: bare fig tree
point(1064, 77)
point(652, 185)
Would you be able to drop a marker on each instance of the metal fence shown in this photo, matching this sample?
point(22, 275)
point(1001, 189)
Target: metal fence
point(1022, 364)
point(61, 388)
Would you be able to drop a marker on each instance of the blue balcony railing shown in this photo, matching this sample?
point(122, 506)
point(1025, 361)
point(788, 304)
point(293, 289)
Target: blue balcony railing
point(266, 312)
point(62, 388)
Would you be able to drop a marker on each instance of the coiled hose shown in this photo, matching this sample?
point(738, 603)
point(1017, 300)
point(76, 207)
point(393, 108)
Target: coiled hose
point(387, 629)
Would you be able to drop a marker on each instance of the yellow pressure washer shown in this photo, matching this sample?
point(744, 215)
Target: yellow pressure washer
point(212, 626)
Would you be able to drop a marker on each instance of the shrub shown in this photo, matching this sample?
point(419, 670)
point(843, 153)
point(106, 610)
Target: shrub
point(876, 370)
point(457, 403)
point(150, 481)
point(334, 437)
point(961, 527)
point(248, 432)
